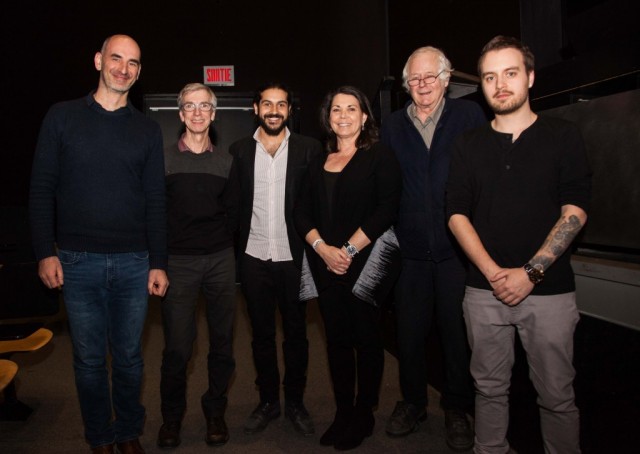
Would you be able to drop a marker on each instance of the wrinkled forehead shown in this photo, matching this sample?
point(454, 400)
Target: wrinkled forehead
point(425, 62)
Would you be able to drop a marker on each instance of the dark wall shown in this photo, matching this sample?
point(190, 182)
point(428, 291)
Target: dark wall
point(460, 28)
point(48, 50)
point(312, 45)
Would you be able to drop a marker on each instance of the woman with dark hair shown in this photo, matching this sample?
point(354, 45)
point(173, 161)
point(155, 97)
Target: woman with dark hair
point(349, 200)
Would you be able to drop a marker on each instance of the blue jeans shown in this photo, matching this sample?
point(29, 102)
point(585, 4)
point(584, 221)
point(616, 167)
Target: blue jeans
point(106, 301)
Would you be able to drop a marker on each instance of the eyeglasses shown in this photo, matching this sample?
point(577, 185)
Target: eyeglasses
point(415, 81)
point(191, 106)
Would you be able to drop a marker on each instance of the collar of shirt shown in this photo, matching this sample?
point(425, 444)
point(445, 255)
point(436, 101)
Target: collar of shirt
point(182, 146)
point(287, 134)
point(433, 118)
point(92, 103)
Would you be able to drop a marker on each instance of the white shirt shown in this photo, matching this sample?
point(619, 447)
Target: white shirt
point(268, 238)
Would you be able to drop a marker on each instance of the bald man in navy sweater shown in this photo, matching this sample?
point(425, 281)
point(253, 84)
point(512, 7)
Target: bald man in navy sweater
point(98, 221)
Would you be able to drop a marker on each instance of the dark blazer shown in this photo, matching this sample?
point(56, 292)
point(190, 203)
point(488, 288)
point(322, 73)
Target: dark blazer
point(302, 150)
point(366, 195)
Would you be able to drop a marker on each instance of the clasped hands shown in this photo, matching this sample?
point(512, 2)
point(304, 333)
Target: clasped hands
point(336, 259)
point(511, 285)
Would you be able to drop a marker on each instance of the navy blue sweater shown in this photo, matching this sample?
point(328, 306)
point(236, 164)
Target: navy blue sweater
point(97, 182)
point(422, 225)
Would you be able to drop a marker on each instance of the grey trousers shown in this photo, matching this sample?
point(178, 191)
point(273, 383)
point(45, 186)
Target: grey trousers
point(545, 325)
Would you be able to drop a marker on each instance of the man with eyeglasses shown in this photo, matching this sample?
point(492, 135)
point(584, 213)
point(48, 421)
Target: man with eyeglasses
point(98, 222)
point(272, 164)
point(202, 212)
point(432, 281)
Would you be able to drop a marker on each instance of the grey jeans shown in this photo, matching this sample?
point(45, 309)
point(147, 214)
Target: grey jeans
point(545, 325)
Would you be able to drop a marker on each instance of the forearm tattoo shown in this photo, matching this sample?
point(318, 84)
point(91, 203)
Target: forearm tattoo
point(559, 239)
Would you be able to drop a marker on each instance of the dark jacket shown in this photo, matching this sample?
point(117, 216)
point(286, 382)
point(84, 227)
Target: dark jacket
point(302, 150)
point(366, 195)
point(422, 227)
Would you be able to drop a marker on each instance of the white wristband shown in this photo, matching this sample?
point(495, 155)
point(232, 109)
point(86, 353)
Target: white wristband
point(316, 243)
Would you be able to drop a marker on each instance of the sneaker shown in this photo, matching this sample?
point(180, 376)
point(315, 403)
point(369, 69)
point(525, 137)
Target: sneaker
point(404, 419)
point(300, 419)
point(169, 434)
point(261, 417)
point(459, 433)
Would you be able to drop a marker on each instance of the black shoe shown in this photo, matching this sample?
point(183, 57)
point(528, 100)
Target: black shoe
point(459, 433)
point(169, 434)
point(404, 419)
point(300, 419)
point(337, 427)
point(261, 417)
point(217, 431)
point(359, 428)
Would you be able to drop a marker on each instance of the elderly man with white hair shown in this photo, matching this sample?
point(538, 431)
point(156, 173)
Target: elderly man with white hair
point(432, 280)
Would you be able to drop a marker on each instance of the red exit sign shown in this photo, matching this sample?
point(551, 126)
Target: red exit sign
point(219, 75)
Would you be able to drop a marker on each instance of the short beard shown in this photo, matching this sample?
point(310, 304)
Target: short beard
point(506, 109)
point(269, 130)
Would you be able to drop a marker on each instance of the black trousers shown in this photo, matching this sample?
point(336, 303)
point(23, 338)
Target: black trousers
point(354, 346)
point(428, 290)
point(214, 274)
point(268, 285)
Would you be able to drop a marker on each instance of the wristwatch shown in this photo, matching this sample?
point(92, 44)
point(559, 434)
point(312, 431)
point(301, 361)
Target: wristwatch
point(536, 275)
point(351, 249)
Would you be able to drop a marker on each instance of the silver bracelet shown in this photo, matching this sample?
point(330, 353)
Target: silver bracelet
point(316, 243)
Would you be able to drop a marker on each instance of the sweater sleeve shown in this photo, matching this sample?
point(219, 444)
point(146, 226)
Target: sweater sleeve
point(44, 182)
point(156, 214)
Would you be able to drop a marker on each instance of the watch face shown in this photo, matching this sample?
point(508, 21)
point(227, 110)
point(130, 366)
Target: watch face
point(535, 275)
point(351, 249)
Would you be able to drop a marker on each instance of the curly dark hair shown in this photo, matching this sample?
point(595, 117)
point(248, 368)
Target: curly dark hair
point(369, 134)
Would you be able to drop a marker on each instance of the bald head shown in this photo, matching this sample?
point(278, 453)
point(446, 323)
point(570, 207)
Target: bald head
point(124, 38)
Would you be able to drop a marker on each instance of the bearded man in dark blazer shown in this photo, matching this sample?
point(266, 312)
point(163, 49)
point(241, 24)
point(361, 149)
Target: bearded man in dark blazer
point(271, 166)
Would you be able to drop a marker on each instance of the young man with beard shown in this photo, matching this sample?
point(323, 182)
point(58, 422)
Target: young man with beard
point(271, 166)
point(98, 221)
point(517, 196)
point(202, 210)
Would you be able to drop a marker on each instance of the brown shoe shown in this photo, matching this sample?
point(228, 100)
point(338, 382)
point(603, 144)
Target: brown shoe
point(130, 447)
point(104, 449)
point(217, 432)
point(169, 434)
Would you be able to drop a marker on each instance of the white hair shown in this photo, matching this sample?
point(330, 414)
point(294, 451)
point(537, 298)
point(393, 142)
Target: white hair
point(445, 64)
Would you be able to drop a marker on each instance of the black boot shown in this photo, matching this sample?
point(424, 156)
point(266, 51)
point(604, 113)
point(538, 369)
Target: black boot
point(359, 428)
point(337, 428)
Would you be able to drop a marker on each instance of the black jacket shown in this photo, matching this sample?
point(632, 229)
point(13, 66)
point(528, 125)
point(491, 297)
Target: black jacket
point(302, 150)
